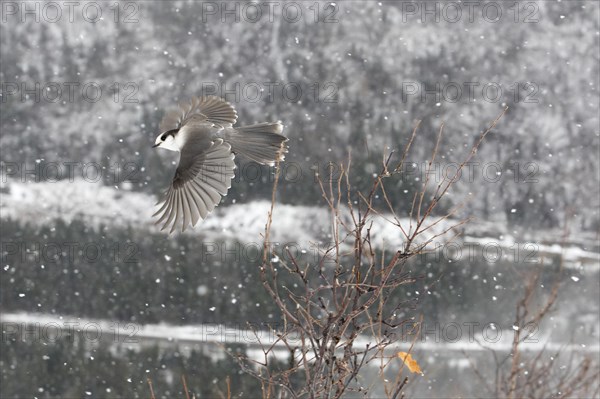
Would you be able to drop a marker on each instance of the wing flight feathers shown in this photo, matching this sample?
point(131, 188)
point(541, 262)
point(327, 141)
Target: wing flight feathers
point(195, 192)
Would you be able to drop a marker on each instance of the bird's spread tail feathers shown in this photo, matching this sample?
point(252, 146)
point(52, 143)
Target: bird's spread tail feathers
point(262, 143)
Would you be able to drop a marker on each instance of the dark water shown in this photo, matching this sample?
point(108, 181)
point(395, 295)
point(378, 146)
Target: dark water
point(139, 279)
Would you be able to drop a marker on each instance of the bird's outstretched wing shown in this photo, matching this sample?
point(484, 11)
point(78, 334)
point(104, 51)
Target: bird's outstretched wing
point(210, 109)
point(204, 175)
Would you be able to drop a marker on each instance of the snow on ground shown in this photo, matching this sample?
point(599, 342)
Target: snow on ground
point(42, 203)
point(215, 336)
point(573, 256)
point(305, 226)
point(95, 203)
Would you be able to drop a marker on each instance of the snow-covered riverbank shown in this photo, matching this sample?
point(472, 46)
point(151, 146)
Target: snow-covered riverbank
point(96, 204)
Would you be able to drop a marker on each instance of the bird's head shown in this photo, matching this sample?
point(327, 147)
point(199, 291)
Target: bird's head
point(166, 140)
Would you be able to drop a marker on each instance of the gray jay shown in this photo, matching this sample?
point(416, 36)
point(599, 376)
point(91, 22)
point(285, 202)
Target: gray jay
point(202, 131)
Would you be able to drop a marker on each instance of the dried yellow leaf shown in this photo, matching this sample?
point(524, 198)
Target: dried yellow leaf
point(411, 363)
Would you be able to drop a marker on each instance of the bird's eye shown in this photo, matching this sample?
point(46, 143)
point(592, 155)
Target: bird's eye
point(163, 137)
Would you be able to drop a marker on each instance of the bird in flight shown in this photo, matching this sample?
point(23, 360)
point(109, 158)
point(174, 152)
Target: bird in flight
point(202, 131)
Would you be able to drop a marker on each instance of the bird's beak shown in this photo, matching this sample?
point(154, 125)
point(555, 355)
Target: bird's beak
point(155, 145)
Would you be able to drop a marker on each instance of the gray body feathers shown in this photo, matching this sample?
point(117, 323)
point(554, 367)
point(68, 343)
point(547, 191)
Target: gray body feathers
point(202, 130)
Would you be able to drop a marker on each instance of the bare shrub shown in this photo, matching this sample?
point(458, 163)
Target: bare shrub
point(337, 313)
point(545, 373)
